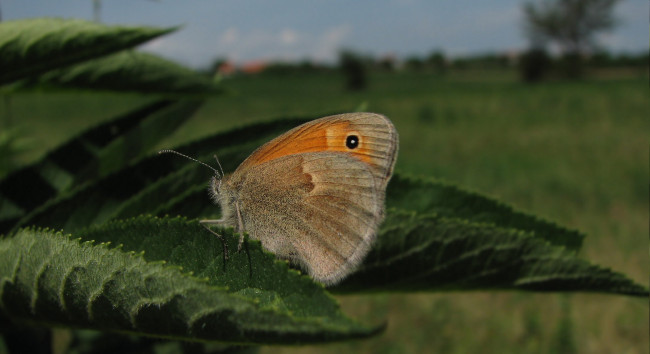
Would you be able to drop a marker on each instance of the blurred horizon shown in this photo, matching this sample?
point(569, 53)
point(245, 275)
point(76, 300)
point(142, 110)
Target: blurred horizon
point(255, 30)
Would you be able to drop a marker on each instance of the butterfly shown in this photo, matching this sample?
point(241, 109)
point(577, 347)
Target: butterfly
point(315, 194)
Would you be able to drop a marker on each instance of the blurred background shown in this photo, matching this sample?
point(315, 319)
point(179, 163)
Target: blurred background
point(540, 104)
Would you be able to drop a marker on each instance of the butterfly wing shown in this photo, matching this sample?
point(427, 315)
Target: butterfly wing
point(320, 209)
point(377, 142)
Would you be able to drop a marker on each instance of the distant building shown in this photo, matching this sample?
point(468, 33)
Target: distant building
point(253, 67)
point(228, 68)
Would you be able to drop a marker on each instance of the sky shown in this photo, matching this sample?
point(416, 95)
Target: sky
point(294, 30)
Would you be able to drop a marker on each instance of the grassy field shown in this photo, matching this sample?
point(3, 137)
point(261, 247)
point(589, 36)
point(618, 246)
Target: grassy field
point(572, 152)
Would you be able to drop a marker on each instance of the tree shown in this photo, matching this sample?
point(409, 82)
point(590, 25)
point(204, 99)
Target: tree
point(414, 63)
point(437, 61)
point(353, 68)
point(572, 24)
point(534, 65)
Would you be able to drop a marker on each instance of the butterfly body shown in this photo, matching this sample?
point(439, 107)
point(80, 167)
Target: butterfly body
point(315, 195)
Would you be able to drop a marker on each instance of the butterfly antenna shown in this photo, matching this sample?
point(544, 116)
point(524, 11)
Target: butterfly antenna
point(167, 151)
point(221, 168)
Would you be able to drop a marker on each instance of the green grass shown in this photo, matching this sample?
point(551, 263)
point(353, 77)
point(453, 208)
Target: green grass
point(572, 152)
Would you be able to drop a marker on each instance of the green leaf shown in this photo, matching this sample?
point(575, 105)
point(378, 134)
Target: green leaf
point(127, 71)
point(167, 279)
point(445, 199)
point(519, 257)
point(95, 153)
point(435, 253)
point(34, 46)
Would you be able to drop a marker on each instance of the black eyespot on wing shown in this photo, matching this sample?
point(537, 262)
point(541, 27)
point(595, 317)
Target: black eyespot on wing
point(352, 142)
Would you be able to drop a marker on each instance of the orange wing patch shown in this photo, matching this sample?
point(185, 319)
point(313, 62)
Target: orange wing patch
point(337, 141)
point(375, 135)
point(305, 138)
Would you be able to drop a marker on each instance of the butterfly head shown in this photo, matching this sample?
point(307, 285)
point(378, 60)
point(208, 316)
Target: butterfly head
point(215, 185)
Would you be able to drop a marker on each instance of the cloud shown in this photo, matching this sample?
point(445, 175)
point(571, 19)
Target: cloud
point(283, 44)
point(230, 36)
point(617, 42)
point(330, 42)
point(289, 37)
point(482, 30)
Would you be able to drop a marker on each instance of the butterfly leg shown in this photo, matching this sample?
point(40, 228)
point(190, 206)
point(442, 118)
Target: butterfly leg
point(241, 227)
point(206, 223)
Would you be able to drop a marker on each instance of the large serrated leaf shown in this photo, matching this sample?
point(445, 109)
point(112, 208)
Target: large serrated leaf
point(34, 46)
point(433, 253)
point(445, 199)
point(92, 154)
point(127, 71)
point(48, 278)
